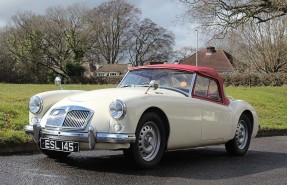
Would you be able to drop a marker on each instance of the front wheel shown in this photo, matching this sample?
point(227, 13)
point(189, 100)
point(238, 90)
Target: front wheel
point(150, 143)
point(240, 143)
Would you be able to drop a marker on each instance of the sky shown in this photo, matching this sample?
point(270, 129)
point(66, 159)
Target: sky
point(165, 13)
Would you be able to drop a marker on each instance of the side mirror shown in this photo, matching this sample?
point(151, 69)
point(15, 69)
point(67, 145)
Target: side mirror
point(58, 82)
point(153, 84)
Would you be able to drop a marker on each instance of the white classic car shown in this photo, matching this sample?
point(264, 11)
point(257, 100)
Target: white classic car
point(154, 109)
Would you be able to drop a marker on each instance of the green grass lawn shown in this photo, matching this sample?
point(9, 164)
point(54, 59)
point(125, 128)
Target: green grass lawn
point(269, 102)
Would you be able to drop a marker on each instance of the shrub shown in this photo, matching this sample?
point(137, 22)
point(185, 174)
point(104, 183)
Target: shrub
point(255, 79)
point(13, 136)
point(95, 80)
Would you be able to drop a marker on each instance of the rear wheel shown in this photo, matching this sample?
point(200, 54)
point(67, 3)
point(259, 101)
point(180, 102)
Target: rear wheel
point(150, 143)
point(240, 143)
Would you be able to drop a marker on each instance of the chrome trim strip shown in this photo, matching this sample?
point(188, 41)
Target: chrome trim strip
point(175, 89)
point(115, 138)
point(119, 86)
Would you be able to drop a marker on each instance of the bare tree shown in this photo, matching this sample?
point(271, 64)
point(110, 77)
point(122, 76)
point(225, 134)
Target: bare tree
point(115, 20)
point(183, 53)
point(265, 45)
point(150, 43)
point(262, 47)
point(221, 15)
point(69, 38)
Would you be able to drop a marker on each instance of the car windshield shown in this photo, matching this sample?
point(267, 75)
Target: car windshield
point(166, 78)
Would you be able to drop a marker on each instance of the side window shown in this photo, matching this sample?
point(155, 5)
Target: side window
point(213, 92)
point(206, 88)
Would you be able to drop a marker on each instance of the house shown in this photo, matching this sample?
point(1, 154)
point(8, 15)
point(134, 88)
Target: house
point(112, 70)
point(219, 60)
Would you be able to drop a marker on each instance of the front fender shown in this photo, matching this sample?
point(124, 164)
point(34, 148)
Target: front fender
point(49, 98)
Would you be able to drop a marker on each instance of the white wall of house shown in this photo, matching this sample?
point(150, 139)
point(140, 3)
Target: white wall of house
point(108, 73)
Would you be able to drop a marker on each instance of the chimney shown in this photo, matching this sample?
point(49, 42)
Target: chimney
point(97, 66)
point(210, 50)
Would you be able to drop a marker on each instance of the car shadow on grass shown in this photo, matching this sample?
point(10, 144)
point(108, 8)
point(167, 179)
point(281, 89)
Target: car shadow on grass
point(203, 163)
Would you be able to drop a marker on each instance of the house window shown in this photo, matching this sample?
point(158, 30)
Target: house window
point(206, 88)
point(101, 74)
point(112, 74)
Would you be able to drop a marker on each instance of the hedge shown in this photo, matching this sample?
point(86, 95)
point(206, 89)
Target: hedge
point(255, 79)
point(95, 80)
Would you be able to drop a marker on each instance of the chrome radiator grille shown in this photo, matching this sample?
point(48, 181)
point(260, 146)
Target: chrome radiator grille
point(73, 118)
point(76, 118)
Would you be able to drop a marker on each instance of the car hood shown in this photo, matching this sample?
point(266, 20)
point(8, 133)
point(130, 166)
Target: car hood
point(101, 99)
point(104, 94)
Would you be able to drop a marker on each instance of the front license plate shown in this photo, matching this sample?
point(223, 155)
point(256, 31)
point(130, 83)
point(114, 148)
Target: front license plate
point(64, 146)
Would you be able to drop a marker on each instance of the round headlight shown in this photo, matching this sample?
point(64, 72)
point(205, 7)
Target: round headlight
point(35, 104)
point(117, 109)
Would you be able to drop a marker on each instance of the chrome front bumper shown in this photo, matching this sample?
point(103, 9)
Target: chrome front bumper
point(91, 137)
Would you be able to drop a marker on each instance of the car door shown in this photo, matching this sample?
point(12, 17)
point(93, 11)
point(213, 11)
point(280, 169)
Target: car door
point(215, 115)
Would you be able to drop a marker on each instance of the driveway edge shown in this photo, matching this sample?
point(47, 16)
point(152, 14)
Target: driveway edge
point(274, 132)
point(18, 148)
point(31, 147)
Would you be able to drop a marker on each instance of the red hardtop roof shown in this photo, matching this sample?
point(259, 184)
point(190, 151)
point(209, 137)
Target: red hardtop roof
point(205, 71)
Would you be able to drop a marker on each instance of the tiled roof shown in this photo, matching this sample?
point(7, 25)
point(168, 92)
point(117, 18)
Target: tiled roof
point(122, 68)
point(219, 60)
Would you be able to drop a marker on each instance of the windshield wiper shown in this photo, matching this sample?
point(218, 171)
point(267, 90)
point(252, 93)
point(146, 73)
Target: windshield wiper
point(133, 85)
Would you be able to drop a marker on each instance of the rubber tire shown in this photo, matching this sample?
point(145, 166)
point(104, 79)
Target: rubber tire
point(55, 154)
point(232, 146)
point(134, 152)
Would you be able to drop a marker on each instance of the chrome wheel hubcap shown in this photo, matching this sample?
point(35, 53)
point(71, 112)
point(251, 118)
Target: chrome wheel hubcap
point(149, 141)
point(241, 134)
